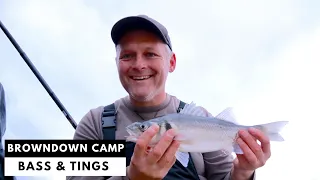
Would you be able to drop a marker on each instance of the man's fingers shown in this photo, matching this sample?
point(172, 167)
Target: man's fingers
point(265, 142)
point(161, 146)
point(169, 158)
point(252, 143)
point(245, 142)
point(247, 153)
point(144, 140)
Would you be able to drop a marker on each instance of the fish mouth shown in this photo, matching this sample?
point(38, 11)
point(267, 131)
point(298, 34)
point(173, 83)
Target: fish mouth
point(130, 131)
point(132, 137)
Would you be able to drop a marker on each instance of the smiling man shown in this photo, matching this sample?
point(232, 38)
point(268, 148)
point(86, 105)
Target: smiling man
point(144, 58)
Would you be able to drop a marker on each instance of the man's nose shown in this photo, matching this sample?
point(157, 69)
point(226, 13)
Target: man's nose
point(140, 62)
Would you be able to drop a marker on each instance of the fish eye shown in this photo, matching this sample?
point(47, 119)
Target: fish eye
point(143, 127)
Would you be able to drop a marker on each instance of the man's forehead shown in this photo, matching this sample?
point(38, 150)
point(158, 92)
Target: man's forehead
point(140, 45)
point(139, 36)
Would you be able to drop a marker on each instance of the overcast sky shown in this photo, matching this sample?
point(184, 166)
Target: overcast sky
point(261, 57)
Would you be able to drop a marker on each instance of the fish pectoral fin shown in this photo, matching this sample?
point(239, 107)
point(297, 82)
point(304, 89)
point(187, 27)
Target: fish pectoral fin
point(183, 157)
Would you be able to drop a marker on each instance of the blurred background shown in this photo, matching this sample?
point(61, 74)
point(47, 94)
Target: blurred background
point(260, 57)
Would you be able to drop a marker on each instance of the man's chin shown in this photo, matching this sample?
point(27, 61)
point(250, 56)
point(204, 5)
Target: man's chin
point(142, 97)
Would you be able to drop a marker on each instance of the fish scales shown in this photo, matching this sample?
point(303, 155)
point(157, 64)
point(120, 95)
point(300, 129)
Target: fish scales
point(204, 131)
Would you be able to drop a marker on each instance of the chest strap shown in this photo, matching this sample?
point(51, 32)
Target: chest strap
point(109, 122)
point(109, 127)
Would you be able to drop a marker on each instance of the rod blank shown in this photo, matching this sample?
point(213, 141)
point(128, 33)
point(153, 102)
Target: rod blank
point(38, 75)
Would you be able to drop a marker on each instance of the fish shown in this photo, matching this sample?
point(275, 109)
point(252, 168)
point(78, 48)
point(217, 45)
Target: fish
point(197, 132)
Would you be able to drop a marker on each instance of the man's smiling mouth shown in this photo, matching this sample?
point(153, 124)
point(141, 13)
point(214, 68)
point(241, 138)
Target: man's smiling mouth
point(139, 78)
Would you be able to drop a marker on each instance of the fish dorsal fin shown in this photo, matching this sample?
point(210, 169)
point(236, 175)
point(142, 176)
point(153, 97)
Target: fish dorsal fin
point(193, 109)
point(227, 115)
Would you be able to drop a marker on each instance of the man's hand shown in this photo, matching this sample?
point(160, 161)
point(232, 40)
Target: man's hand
point(156, 163)
point(254, 156)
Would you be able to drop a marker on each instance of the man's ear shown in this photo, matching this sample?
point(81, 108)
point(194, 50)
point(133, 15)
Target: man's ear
point(172, 63)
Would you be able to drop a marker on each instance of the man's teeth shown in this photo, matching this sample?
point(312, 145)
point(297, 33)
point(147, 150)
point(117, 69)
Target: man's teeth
point(140, 77)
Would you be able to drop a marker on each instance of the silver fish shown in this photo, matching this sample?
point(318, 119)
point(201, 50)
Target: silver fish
point(198, 133)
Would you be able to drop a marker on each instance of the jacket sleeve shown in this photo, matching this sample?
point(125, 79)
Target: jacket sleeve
point(90, 128)
point(218, 165)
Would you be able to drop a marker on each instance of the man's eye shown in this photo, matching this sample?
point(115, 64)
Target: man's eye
point(125, 56)
point(151, 54)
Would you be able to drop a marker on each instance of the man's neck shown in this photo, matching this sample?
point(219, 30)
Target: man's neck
point(157, 100)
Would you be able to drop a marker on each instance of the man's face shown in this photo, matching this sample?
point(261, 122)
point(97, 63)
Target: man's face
point(143, 65)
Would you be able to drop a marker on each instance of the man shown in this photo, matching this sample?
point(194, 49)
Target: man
point(144, 58)
point(3, 130)
point(2, 117)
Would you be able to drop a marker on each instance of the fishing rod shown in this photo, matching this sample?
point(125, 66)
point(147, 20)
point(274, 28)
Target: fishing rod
point(37, 74)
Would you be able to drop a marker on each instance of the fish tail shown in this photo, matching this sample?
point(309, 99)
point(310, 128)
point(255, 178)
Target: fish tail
point(273, 129)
